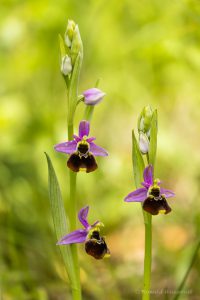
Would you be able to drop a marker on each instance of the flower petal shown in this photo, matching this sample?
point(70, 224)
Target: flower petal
point(97, 151)
point(82, 215)
point(167, 193)
point(91, 139)
point(77, 138)
point(138, 195)
point(66, 147)
point(84, 128)
point(77, 236)
point(148, 175)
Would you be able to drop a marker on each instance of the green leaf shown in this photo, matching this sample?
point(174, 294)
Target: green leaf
point(59, 219)
point(63, 51)
point(153, 138)
point(138, 162)
point(62, 46)
point(73, 88)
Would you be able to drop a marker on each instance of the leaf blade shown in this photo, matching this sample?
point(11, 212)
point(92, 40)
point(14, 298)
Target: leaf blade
point(59, 219)
point(153, 138)
point(73, 91)
point(138, 162)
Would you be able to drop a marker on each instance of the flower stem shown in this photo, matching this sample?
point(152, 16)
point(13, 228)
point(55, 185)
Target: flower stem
point(88, 112)
point(147, 256)
point(76, 287)
point(151, 156)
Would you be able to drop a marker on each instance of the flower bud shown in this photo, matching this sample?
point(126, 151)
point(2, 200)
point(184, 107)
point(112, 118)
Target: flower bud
point(93, 96)
point(143, 143)
point(144, 128)
point(144, 121)
point(73, 41)
point(76, 45)
point(66, 66)
point(69, 33)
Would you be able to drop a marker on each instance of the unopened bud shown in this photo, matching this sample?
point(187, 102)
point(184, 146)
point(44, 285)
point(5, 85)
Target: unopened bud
point(66, 66)
point(144, 121)
point(93, 96)
point(143, 143)
point(76, 46)
point(73, 41)
point(69, 33)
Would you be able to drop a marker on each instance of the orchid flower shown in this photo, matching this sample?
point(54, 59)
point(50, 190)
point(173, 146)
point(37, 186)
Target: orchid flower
point(151, 194)
point(95, 245)
point(82, 150)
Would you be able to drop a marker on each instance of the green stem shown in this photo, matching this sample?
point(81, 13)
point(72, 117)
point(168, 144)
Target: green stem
point(147, 256)
point(181, 286)
point(89, 109)
point(76, 286)
point(88, 112)
point(148, 253)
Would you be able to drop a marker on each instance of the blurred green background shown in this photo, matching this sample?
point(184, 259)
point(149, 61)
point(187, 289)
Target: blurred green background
point(146, 52)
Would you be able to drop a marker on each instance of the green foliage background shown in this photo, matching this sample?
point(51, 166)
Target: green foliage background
point(146, 52)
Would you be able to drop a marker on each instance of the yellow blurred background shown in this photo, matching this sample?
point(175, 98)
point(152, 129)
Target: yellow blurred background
point(145, 52)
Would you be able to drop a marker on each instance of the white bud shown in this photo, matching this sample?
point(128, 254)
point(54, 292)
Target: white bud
point(66, 65)
point(143, 143)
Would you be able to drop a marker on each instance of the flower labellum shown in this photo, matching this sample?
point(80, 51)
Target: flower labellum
point(95, 245)
point(154, 197)
point(82, 150)
point(66, 66)
point(93, 96)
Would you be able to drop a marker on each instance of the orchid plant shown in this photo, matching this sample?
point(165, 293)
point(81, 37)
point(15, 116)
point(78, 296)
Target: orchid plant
point(151, 195)
point(82, 152)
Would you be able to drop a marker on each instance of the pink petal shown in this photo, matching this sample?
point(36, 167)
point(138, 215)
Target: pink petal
point(97, 151)
point(148, 175)
point(84, 128)
point(77, 138)
point(82, 215)
point(66, 147)
point(138, 195)
point(167, 193)
point(77, 236)
point(91, 139)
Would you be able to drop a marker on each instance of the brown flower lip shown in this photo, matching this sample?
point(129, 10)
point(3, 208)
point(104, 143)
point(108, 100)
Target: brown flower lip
point(96, 246)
